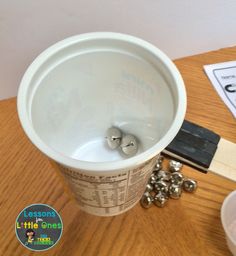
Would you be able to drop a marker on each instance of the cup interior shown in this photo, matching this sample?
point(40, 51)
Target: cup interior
point(87, 86)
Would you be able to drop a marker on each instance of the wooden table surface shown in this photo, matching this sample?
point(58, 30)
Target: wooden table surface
point(189, 226)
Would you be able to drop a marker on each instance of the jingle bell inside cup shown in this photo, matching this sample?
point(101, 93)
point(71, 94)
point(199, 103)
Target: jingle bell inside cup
point(78, 88)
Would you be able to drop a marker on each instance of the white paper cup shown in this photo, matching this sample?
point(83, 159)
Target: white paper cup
point(78, 88)
point(228, 219)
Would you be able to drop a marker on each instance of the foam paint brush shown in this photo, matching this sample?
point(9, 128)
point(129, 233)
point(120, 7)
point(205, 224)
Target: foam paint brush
point(204, 150)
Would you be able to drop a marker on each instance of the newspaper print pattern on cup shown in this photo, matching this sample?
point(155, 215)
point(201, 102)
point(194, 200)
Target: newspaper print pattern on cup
point(107, 195)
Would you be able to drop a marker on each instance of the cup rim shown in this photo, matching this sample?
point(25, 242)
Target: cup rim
point(101, 166)
point(222, 213)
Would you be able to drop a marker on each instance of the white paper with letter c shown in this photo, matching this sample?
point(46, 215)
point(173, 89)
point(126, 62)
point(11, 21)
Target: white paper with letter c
point(223, 78)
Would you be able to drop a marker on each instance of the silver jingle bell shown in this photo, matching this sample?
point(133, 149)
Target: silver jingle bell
point(149, 187)
point(175, 191)
point(157, 167)
point(163, 175)
point(146, 200)
point(129, 145)
point(152, 179)
point(160, 200)
point(177, 178)
point(113, 137)
point(160, 159)
point(190, 185)
point(161, 186)
point(175, 166)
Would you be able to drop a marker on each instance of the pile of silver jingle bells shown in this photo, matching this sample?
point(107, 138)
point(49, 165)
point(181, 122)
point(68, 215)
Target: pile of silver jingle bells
point(163, 184)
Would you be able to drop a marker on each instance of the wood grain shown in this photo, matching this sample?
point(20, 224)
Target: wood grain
point(224, 162)
point(189, 226)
